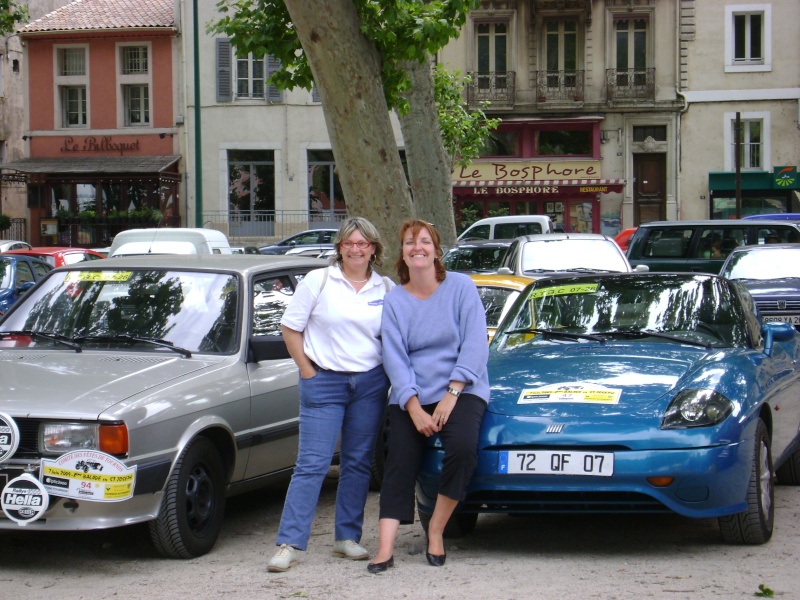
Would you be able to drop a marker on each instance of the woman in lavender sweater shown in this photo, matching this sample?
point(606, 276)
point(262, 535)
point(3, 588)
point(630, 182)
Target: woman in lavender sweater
point(433, 329)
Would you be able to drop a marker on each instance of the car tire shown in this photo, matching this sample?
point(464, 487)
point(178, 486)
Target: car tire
point(754, 525)
point(789, 472)
point(379, 455)
point(460, 524)
point(193, 507)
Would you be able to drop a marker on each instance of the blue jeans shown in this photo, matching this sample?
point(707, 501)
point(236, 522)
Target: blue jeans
point(332, 403)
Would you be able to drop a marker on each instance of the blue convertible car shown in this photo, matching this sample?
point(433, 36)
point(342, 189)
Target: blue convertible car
point(635, 393)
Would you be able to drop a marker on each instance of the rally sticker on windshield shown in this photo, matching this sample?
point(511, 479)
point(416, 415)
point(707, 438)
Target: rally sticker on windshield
point(88, 475)
point(98, 276)
point(570, 392)
point(564, 290)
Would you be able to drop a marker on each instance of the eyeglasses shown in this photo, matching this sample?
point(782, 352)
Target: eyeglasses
point(361, 244)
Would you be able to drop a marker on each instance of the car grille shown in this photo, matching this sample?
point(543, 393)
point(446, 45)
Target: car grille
point(772, 306)
point(562, 502)
point(28, 438)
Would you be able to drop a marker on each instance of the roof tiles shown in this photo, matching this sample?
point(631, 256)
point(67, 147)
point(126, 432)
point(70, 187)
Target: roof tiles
point(105, 14)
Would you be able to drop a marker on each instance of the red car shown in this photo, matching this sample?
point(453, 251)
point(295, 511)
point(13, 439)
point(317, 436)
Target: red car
point(58, 256)
point(624, 238)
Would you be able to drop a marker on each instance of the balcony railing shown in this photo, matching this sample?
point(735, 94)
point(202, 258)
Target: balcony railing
point(494, 87)
point(630, 83)
point(559, 86)
point(266, 225)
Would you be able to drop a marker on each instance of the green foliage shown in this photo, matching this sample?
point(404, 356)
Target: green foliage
point(764, 592)
point(11, 13)
point(401, 30)
point(463, 133)
point(5, 222)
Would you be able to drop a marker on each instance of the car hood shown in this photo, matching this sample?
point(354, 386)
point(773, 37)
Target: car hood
point(555, 380)
point(72, 385)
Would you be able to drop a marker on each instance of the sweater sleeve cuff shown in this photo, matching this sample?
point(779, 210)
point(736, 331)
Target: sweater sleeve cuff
point(405, 395)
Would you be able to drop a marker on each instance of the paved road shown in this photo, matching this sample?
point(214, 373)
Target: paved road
point(562, 557)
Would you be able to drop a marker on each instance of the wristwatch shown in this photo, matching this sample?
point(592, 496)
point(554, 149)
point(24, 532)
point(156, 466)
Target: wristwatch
point(453, 391)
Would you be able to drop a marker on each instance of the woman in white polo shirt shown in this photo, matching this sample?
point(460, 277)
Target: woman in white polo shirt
point(332, 330)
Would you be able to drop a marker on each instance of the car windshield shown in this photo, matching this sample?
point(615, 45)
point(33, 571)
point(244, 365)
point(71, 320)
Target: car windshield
point(5, 273)
point(772, 263)
point(496, 302)
point(567, 254)
point(193, 311)
point(477, 260)
point(698, 310)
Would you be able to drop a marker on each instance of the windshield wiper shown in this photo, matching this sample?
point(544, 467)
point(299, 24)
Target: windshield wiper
point(640, 333)
point(556, 333)
point(131, 338)
point(56, 338)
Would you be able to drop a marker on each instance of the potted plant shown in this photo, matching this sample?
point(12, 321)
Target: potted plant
point(63, 214)
point(87, 216)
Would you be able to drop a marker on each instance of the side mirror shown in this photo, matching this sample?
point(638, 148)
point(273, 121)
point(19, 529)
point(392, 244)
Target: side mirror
point(641, 269)
point(25, 287)
point(504, 271)
point(776, 332)
point(267, 347)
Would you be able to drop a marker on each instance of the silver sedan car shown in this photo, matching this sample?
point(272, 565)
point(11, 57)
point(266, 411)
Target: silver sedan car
point(147, 389)
point(544, 255)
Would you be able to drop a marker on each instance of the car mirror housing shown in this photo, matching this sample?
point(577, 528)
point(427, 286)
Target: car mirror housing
point(776, 332)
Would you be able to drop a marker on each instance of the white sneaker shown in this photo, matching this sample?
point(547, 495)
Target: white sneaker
point(350, 549)
point(284, 558)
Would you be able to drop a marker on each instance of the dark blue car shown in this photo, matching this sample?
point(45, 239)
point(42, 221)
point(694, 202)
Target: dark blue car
point(18, 274)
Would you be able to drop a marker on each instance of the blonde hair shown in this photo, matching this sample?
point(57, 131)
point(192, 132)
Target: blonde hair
point(365, 228)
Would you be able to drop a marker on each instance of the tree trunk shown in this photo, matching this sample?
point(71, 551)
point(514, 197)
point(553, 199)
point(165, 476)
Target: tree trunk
point(429, 168)
point(347, 73)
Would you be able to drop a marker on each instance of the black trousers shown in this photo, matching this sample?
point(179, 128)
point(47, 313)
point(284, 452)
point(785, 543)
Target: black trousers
point(406, 447)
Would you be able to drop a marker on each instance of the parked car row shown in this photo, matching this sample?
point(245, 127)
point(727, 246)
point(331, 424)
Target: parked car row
point(156, 386)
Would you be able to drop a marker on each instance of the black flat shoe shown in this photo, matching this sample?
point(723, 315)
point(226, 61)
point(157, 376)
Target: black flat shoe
point(381, 566)
point(436, 560)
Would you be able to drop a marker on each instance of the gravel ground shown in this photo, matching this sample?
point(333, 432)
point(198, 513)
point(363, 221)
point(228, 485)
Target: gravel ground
point(505, 558)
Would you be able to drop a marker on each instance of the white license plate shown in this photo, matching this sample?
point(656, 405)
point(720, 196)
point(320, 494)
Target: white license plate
point(552, 462)
point(793, 319)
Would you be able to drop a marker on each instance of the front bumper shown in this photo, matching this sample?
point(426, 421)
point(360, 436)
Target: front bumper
point(708, 482)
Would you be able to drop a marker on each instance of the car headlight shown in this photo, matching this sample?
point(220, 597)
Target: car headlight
point(696, 408)
point(58, 438)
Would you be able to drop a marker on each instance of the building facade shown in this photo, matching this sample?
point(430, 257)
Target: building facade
point(100, 91)
point(740, 80)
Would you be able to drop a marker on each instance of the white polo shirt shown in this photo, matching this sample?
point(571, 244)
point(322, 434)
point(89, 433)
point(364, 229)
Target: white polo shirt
point(341, 327)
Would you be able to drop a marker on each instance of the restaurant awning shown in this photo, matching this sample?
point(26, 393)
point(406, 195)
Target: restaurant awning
point(617, 183)
point(89, 165)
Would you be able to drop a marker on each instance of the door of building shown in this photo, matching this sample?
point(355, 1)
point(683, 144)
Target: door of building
point(649, 189)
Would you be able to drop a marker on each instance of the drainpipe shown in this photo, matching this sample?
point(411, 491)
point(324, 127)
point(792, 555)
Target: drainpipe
point(198, 152)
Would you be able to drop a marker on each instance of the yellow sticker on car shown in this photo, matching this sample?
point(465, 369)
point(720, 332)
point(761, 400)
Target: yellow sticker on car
point(570, 392)
point(98, 276)
point(564, 290)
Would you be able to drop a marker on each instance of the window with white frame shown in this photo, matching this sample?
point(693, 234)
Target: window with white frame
point(491, 43)
point(748, 37)
point(752, 141)
point(245, 77)
point(561, 52)
point(134, 84)
point(73, 104)
point(137, 105)
point(630, 47)
point(72, 82)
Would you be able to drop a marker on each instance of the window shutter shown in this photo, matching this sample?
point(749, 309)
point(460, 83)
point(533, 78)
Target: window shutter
point(273, 93)
point(224, 76)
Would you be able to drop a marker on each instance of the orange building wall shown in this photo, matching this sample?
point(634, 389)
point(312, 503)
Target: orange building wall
point(103, 98)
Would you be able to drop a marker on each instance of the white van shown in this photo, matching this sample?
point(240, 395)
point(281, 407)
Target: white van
point(506, 228)
point(170, 240)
